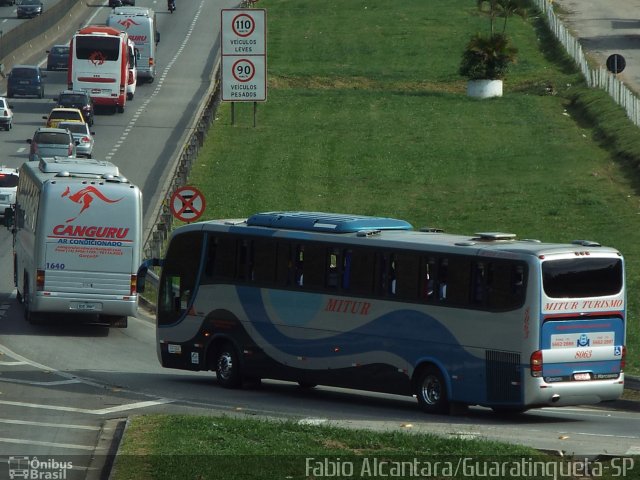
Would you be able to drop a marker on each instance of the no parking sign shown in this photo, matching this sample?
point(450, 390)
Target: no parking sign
point(187, 204)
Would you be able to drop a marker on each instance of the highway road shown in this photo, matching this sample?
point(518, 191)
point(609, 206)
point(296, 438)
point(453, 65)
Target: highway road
point(64, 387)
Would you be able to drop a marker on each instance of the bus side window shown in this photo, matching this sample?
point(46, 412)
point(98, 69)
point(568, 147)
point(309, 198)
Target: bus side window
point(443, 272)
point(315, 266)
point(225, 260)
point(264, 265)
point(362, 272)
point(299, 265)
point(428, 275)
point(284, 264)
point(210, 259)
point(346, 269)
point(407, 273)
point(391, 275)
point(459, 280)
point(478, 285)
point(245, 260)
point(333, 270)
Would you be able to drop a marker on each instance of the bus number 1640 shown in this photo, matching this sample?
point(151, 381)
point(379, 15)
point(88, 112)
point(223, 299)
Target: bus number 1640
point(55, 266)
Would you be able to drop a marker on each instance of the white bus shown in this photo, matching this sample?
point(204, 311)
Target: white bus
point(140, 25)
point(77, 227)
point(99, 65)
point(370, 303)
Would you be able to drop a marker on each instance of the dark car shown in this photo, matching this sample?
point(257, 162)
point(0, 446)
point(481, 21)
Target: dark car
point(25, 80)
point(29, 8)
point(58, 57)
point(7, 2)
point(77, 99)
point(120, 3)
point(51, 142)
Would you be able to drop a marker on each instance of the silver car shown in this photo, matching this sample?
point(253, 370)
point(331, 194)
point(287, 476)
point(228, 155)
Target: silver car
point(8, 185)
point(83, 137)
point(51, 142)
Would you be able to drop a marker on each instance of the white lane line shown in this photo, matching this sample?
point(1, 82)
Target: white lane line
point(22, 441)
point(10, 421)
point(40, 384)
point(13, 363)
point(101, 411)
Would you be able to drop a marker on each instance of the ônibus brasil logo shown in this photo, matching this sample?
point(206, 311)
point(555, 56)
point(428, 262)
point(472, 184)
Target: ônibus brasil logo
point(97, 57)
point(129, 22)
point(85, 198)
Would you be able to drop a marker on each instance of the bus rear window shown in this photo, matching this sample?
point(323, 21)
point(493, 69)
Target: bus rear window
point(582, 277)
point(97, 49)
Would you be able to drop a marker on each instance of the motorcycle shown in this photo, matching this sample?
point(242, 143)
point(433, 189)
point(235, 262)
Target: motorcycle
point(171, 5)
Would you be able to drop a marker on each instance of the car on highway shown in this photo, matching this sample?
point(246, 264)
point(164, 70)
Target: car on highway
point(8, 184)
point(26, 80)
point(62, 114)
point(58, 57)
point(83, 137)
point(77, 99)
point(6, 114)
point(8, 2)
point(51, 142)
point(29, 8)
point(120, 3)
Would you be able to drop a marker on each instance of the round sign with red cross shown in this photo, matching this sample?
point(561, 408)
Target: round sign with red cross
point(187, 204)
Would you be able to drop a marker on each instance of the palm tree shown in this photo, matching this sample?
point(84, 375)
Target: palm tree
point(487, 57)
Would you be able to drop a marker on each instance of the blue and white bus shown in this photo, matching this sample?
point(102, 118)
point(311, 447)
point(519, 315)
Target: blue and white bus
point(370, 303)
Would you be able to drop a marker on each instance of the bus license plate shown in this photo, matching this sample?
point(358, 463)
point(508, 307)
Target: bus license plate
point(581, 376)
point(86, 307)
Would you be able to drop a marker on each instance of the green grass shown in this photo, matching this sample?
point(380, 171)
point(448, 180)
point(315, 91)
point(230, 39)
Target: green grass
point(192, 447)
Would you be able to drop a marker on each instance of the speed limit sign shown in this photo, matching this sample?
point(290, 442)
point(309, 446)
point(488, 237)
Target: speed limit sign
point(244, 52)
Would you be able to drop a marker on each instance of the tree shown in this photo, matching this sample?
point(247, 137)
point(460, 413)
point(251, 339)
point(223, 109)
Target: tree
point(489, 56)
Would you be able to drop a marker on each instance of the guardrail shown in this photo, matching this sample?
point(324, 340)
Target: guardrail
point(598, 77)
point(162, 224)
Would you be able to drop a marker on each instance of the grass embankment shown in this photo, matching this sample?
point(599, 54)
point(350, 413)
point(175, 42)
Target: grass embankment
point(182, 447)
point(367, 114)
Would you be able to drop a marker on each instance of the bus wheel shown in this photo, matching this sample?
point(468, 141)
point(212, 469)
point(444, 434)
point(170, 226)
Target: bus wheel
point(431, 390)
point(227, 365)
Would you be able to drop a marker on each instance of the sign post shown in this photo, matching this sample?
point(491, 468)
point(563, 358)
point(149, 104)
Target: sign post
point(243, 36)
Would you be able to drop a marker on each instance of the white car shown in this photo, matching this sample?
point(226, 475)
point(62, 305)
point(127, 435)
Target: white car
point(8, 185)
point(6, 114)
point(82, 136)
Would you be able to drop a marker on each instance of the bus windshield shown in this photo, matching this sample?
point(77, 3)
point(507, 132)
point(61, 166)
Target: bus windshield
point(582, 277)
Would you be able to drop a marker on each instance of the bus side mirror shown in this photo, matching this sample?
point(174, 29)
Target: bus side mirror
point(143, 270)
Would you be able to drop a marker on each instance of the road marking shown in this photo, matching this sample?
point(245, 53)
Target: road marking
point(40, 384)
point(101, 411)
point(21, 441)
point(45, 424)
point(13, 363)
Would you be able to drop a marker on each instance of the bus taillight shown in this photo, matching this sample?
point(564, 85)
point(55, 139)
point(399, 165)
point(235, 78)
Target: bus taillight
point(39, 280)
point(132, 286)
point(623, 359)
point(536, 363)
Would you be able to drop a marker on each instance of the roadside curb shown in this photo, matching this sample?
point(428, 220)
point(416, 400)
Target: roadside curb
point(107, 447)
